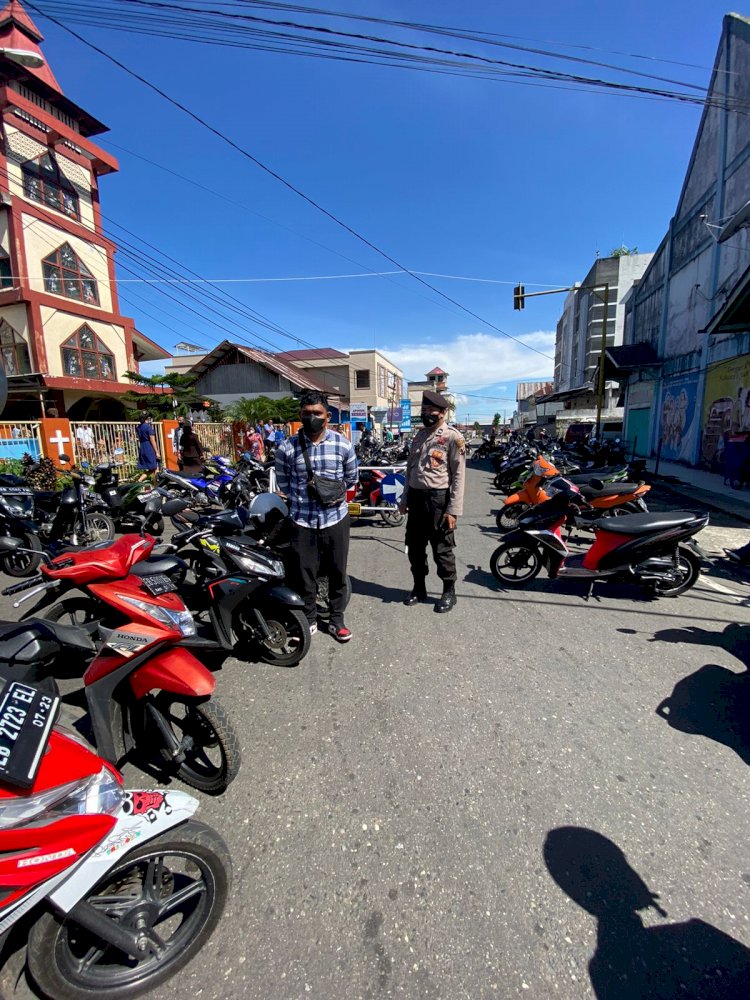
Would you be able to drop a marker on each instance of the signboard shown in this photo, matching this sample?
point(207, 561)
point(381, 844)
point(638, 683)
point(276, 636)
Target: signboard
point(394, 414)
point(726, 407)
point(405, 414)
point(679, 418)
point(358, 411)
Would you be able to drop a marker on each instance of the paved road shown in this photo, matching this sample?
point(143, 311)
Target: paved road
point(390, 820)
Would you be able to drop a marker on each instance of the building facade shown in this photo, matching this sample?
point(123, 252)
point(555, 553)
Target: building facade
point(685, 360)
point(63, 338)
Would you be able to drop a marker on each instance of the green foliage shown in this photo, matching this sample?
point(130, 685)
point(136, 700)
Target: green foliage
point(262, 408)
point(171, 395)
point(477, 426)
point(12, 467)
point(623, 251)
point(496, 420)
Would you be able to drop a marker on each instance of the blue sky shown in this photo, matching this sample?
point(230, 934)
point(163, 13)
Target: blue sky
point(449, 175)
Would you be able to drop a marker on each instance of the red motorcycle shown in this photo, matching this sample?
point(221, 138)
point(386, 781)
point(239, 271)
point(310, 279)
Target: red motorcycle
point(146, 692)
point(377, 492)
point(106, 892)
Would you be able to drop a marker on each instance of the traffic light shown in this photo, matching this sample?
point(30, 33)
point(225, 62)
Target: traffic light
point(518, 297)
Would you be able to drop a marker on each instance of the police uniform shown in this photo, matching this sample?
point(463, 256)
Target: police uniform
point(435, 473)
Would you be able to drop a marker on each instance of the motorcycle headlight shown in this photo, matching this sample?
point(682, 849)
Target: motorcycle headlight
point(182, 621)
point(100, 793)
point(262, 567)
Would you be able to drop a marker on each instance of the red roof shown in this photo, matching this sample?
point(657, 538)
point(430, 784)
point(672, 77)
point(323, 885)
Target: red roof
point(437, 371)
point(18, 31)
point(298, 377)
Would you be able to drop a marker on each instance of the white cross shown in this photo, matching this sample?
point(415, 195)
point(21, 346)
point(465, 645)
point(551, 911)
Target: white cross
point(58, 439)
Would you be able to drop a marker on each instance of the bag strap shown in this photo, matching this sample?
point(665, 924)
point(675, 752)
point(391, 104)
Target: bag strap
point(303, 446)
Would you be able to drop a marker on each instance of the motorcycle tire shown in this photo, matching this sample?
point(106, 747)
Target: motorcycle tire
point(290, 636)
point(191, 853)
point(507, 516)
point(24, 563)
point(205, 722)
point(510, 558)
point(101, 528)
point(690, 570)
point(392, 517)
point(77, 611)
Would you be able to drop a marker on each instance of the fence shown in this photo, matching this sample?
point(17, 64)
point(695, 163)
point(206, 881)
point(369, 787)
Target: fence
point(19, 439)
point(215, 438)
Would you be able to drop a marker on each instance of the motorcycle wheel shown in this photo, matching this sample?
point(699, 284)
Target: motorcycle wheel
point(211, 747)
point(75, 611)
point(392, 517)
point(24, 563)
point(515, 564)
point(689, 568)
point(101, 528)
point(174, 886)
point(507, 517)
point(499, 483)
point(290, 636)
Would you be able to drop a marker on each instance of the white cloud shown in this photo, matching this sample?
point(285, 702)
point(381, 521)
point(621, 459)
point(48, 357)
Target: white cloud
point(479, 359)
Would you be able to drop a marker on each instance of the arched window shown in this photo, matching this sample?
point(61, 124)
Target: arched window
point(14, 352)
point(43, 181)
point(84, 355)
point(65, 274)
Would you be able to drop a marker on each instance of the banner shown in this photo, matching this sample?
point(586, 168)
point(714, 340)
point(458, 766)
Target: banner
point(357, 411)
point(405, 415)
point(726, 407)
point(679, 416)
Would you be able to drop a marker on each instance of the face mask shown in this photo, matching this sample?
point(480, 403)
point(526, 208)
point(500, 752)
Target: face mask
point(430, 419)
point(313, 425)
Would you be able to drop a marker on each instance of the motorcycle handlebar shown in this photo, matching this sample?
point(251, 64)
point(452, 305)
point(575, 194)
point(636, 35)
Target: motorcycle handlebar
point(16, 588)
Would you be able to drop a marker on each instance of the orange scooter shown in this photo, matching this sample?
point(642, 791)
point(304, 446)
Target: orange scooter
point(615, 498)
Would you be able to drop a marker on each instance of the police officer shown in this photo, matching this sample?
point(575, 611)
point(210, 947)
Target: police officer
point(434, 496)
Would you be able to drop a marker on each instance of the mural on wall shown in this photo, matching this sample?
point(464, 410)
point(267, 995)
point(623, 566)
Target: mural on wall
point(726, 407)
point(679, 416)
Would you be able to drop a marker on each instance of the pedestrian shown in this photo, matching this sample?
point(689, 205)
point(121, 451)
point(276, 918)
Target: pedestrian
point(269, 432)
point(255, 444)
point(191, 450)
point(148, 454)
point(433, 497)
point(176, 438)
point(314, 469)
point(279, 436)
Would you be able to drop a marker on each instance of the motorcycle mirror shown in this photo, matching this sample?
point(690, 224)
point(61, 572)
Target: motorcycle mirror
point(9, 544)
point(172, 507)
point(262, 505)
point(64, 459)
point(119, 451)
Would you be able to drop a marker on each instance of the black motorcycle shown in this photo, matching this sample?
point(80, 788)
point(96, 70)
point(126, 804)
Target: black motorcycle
point(126, 503)
point(16, 521)
point(72, 516)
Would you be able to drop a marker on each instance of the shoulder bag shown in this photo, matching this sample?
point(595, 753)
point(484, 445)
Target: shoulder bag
point(326, 492)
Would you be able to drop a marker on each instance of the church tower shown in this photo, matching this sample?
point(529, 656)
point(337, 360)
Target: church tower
point(63, 340)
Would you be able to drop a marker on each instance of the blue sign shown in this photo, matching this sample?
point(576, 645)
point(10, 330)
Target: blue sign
point(392, 487)
point(405, 414)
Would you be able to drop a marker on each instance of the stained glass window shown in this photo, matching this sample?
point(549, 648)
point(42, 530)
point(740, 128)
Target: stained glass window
point(84, 355)
point(44, 182)
point(14, 352)
point(65, 274)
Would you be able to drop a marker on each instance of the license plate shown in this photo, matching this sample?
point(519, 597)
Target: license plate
point(355, 508)
point(158, 584)
point(26, 717)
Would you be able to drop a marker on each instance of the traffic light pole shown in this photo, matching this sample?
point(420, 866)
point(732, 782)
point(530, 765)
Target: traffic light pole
point(519, 297)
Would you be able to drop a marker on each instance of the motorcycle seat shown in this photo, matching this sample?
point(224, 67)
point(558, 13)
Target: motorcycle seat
point(158, 565)
point(36, 639)
point(646, 524)
point(611, 490)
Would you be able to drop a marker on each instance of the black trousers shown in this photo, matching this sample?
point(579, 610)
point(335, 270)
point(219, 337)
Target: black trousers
point(425, 524)
point(323, 551)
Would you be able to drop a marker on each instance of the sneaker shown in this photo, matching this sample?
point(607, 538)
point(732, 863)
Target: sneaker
point(313, 628)
point(340, 633)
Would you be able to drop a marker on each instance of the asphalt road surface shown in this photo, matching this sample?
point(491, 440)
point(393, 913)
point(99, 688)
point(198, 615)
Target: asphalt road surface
point(478, 804)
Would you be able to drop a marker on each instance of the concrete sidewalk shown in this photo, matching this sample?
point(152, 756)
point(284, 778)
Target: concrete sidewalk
point(702, 487)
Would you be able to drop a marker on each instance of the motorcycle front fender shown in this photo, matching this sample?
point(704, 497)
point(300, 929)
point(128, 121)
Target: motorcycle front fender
point(515, 498)
point(284, 595)
point(175, 670)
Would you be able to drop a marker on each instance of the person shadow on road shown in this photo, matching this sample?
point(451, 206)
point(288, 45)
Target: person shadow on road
point(686, 961)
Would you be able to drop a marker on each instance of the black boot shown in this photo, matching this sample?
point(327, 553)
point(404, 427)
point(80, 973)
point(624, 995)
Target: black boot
point(448, 600)
point(418, 594)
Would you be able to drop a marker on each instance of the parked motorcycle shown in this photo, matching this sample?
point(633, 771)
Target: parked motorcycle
point(655, 551)
point(16, 521)
point(72, 516)
point(106, 891)
point(126, 502)
point(146, 692)
point(377, 492)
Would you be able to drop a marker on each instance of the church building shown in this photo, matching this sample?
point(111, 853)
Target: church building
point(63, 340)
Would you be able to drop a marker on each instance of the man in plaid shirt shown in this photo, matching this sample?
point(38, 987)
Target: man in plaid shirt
point(320, 537)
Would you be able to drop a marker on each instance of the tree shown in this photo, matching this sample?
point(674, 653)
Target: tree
point(496, 420)
point(623, 251)
point(477, 427)
point(171, 394)
point(262, 409)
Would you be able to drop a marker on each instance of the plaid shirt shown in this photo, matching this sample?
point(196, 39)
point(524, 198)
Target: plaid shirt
point(333, 457)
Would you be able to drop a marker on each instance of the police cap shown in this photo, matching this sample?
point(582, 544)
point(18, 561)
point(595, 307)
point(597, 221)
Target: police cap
point(430, 398)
